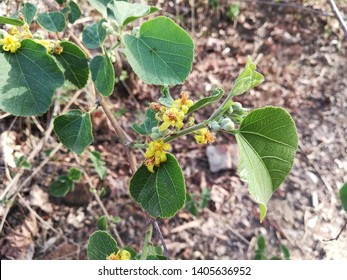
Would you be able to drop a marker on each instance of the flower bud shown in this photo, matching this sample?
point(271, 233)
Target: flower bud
point(229, 126)
point(236, 106)
point(225, 121)
point(215, 126)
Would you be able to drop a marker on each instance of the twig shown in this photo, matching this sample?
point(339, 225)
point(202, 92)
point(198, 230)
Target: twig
point(338, 236)
point(338, 16)
point(156, 226)
point(148, 238)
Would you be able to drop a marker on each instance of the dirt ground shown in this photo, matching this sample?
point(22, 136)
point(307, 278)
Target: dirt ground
point(303, 56)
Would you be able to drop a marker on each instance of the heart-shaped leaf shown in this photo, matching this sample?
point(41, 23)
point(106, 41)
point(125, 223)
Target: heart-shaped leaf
point(75, 63)
point(162, 193)
point(100, 245)
point(249, 78)
point(150, 121)
point(74, 130)
point(162, 53)
point(53, 21)
point(75, 12)
point(28, 79)
point(94, 35)
point(103, 74)
point(29, 11)
point(124, 13)
point(216, 95)
point(267, 141)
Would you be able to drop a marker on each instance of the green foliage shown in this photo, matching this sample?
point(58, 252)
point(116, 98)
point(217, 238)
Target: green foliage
point(161, 193)
point(12, 21)
point(75, 63)
point(74, 130)
point(61, 2)
point(166, 98)
point(29, 11)
point(53, 21)
point(75, 12)
point(100, 245)
point(205, 197)
point(28, 79)
point(100, 6)
point(103, 74)
point(150, 121)
point(267, 141)
point(216, 95)
point(102, 223)
point(94, 35)
point(21, 162)
point(343, 196)
point(193, 205)
point(249, 78)
point(61, 186)
point(98, 164)
point(233, 11)
point(124, 13)
point(74, 174)
point(260, 252)
point(156, 55)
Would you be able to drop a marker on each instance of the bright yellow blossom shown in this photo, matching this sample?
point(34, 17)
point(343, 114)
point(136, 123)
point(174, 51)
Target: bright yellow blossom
point(155, 154)
point(120, 255)
point(204, 136)
point(10, 43)
point(184, 103)
point(172, 117)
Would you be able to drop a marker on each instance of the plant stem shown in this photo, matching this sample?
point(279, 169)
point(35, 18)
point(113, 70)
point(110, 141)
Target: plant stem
point(148, 238)
point(139, 146)
point(185, 131)
point(156, 226)
point(338, 16)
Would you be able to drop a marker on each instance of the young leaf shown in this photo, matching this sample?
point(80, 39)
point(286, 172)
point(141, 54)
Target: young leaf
point(102, 223)
point(74, 174)
point(21, 162)
point(166, 99)
point(12, 21)
point(74, 130)
point(29, 11)
point(124, 13)
point(285, 252)
point(190, 205)
point(150, 121)
point(267, 141)
point(75, 12)
point(249, 78)
point(162, 193)
point(98, 164)
point(343, 196)
point(75, 64)
point(53, 21)
point(94, 35)
point(204, 198)
point(162, 53)
point(216, 95)
point(100, 6)
point(100, 245)
point(28, 79)
point(103, 74)
point(61, 186)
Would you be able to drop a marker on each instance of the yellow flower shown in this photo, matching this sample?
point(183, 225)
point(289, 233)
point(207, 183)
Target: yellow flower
point(120, 255)
point(155, 154)
point(10, 43)
point(204, 136)
point(172, 117)
point(13, 30)
point(46, 43)
point(184, 103)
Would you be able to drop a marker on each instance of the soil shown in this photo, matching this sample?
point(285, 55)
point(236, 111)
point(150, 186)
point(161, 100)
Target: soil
point(301, 51)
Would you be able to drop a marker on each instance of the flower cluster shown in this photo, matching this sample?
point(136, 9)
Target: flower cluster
point(120, 255)
point(155, 154)
point(10, 43)
point(204, 136)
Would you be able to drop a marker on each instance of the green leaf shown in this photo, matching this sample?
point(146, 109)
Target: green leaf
point(103, 74)
point(98, 164)
point(60, 2)
point(124, 13)
point(29, 11)
point(12, 21)
point(205, 197)
point(100, 245)
point(150, 121)
point(267, 140)
point(260, 253)
point(21, 162)
point(343, 196)
point(216, 95)
point(28, 79)
point(74, 174)
point(74, 130)
point(102, 223)
point(162, 53)
point(285, 252)
point(166, 99)
point(53, 21)
point(94, 35)
point(75, 64)
point(75, 12)
point(61, 186)
point(100, 6)
point(162, 193)
point(249, 78)
point(190, 205)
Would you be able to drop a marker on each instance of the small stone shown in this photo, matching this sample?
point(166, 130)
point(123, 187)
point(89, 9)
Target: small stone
point(220, 157)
